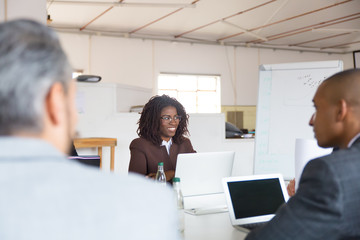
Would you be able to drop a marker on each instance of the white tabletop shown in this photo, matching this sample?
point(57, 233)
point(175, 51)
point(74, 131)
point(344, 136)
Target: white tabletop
point(215, 226)
point(210, 226)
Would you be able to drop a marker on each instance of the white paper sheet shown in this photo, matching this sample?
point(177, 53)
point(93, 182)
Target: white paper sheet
point(306, 150)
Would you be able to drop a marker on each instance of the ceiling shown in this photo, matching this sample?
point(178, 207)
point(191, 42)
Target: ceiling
point(331, 26)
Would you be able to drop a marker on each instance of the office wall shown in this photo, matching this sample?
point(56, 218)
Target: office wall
point(137, 62)
point(33, 9)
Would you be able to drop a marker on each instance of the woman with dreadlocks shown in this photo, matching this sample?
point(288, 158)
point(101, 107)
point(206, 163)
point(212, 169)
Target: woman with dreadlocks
point(162, 129)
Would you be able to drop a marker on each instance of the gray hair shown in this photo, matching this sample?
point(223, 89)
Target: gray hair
point(31, 61)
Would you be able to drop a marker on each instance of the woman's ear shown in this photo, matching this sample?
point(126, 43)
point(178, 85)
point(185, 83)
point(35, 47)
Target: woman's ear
point(55, 104)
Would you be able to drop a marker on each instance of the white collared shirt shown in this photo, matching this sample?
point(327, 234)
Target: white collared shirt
point(353, 140)
point(167, 145)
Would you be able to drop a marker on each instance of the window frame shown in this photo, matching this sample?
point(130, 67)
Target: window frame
point(217, 90)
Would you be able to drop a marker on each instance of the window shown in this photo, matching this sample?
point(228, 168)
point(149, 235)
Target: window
point(197, 93)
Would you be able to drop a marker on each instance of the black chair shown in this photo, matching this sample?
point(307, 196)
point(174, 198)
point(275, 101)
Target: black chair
point(232, 131)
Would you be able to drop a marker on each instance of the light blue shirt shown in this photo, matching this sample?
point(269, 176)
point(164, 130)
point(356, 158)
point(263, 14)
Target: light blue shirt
point(43, 195)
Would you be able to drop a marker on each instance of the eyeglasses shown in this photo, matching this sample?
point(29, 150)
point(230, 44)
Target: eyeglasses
point(169, 119)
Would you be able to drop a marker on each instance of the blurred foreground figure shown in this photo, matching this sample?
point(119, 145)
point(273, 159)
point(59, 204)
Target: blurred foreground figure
point(43, 194)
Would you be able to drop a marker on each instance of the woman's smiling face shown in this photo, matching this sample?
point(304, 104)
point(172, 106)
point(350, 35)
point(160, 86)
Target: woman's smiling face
point(168, 126)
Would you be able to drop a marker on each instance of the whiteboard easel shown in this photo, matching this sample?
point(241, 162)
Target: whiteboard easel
point(283, 112)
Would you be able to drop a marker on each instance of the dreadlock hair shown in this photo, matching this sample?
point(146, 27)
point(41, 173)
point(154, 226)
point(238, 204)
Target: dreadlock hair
point(149, 122)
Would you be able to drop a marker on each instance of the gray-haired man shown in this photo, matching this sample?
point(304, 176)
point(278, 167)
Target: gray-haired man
point(42, 194)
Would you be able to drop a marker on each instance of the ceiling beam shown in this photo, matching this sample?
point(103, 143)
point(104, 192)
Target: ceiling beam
point(225, 18)
point(340, 45)
point(274, 13)
point(319, 39)
point(310, 27)
point(286, 19)
point(245, 31)
point(336, 30)
point(98, 16)
point(161, 18)
point(206, 42)
point(124, 4)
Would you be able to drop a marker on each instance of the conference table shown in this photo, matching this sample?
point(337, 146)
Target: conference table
point(215, 226)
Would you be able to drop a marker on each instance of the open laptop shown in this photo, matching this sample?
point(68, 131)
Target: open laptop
point(201, 175)
point(253, 200)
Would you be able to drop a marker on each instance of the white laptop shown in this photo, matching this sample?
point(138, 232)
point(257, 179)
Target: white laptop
point(202, 173)
point(253, 200)
point(201, 177)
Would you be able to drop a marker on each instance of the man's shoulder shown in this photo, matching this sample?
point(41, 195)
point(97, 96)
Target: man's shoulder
point(108, 180)
point(341, 163)
point(136, 185)
point(110, 202)
point(74, 180)
point(352, 153)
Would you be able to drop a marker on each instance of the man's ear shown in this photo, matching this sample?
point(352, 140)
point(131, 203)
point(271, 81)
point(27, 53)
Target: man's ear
point(55, 104)
point(342, 110)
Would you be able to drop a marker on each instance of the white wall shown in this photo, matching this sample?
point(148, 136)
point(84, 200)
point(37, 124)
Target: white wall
point(98, 118)
point(127, 61)
point(78, 50)
point(137, 62)
point(208, 135)
point(33, 9)
point(130, 96)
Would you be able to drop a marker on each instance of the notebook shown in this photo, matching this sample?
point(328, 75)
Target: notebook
point(253, 200)
point(202, 173)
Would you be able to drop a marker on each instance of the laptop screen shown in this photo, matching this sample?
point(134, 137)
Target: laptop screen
point(201, 173)
point(255, 197)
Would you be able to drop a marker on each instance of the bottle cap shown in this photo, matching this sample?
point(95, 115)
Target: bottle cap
point(160, 164)
point(176, 179)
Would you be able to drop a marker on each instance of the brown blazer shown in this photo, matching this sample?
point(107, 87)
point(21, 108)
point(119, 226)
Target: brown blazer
point(145, 156)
